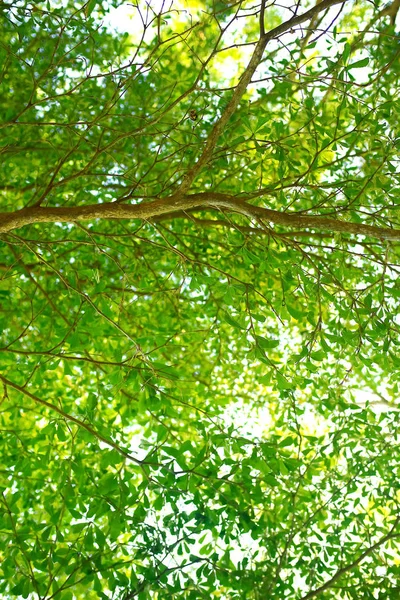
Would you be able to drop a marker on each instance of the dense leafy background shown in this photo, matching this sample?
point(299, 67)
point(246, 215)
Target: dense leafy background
point(199, 405)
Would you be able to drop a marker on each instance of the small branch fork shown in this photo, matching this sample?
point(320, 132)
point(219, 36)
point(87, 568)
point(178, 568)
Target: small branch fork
point(244, 81)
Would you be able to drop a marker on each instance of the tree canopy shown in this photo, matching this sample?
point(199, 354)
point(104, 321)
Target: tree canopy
point(200, 246)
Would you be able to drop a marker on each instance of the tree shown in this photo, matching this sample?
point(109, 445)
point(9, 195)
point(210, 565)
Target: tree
point(200, 252)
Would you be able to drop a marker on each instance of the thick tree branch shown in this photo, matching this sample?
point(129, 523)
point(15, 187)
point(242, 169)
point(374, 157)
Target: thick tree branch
point(174, 205)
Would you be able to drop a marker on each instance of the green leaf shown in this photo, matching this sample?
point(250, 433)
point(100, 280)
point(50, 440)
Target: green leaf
point(282, 382)
point(358, 64)
point(346, 52)
point(231, 321)
point(90, 6)
point(265, 343)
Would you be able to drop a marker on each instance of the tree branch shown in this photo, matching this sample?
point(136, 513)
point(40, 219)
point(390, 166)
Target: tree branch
point(244, 82)
point(351, 566)
point(173, 204)
point(72, 419)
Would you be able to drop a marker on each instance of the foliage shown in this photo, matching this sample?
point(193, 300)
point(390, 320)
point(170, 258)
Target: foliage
point(199, 262)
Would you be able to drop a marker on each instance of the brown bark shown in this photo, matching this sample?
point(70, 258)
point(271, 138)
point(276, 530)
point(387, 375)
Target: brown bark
point(174, 204)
